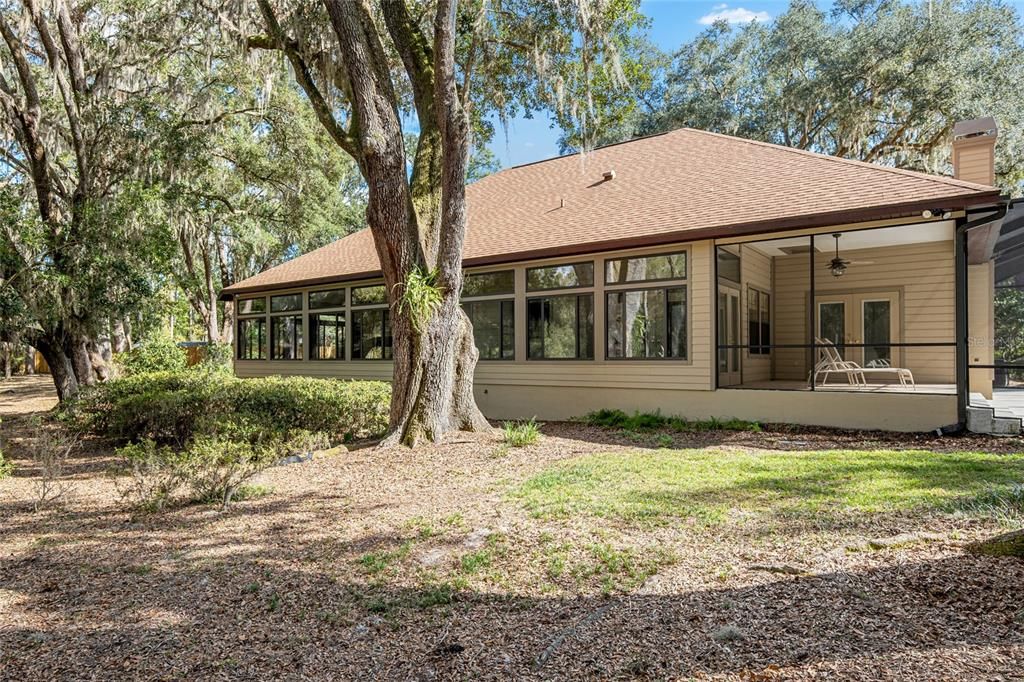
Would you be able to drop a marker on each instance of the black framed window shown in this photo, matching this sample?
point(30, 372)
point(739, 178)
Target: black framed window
point(330, 298)
point(489, 284)
point(327, 331)
point(645, 268)
point(646, 324)
point(493, 328)
point(286, 337)
point(285, 303)
point(570, 276)
point(759, 325)
point(371, 295)
point(249, 306)
point(252, 339)
point(371, 334)
point(560, 327)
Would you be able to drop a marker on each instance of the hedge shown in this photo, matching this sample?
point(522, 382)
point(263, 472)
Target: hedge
point(174, 408)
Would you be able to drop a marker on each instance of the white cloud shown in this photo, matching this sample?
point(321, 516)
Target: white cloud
point(736, 15)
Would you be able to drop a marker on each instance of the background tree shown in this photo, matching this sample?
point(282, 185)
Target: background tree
point(81, 87)
point(363, 66)
point(253, 182)
point(875, 80)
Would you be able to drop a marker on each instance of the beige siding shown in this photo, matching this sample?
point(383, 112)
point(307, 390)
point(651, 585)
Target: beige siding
point(922, 275)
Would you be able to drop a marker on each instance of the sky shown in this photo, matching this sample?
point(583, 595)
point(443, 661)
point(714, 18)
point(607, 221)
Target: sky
point(673, 23)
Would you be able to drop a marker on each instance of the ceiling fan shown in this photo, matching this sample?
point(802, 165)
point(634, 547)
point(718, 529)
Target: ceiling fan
point(837, 266)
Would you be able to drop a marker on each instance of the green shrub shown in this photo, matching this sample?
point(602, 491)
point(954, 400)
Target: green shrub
point(159, 354)
point(213, 469)
point(155, 474)
point(646, 421)
point(6, 466)
point(217, 358)
point(521, 434)
point(174, 408)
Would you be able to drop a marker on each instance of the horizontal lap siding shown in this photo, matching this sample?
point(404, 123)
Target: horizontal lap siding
point(922, 273)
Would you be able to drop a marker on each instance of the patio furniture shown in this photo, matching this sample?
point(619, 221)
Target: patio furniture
point(830, 361)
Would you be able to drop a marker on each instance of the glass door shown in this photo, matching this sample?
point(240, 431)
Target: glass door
point(728, 335)
point(878, 327)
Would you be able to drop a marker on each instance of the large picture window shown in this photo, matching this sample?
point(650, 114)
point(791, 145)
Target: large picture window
point(493, 328)
point(647, 323)
point(286, 337)
point(371, 334)
point(327, 331)
point(560, 327)
point(252, 339)
point(759, 326)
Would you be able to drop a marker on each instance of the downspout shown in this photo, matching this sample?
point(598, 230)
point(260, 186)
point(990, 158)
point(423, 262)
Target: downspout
point(962, 329)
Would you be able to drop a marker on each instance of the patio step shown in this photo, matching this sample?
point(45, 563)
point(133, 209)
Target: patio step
point(984, 420)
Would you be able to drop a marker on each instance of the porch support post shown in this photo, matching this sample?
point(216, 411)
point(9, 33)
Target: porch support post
point(962, 371)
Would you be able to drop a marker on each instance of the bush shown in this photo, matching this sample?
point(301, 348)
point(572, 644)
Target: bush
point(155, 474)
point(521, 434)
point(159, 354)
point(646, 421)
point(174, 408)
point(211, 469)
point(217, 358)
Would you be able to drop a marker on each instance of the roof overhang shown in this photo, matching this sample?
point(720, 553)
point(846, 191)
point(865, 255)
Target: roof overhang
point(817, 220)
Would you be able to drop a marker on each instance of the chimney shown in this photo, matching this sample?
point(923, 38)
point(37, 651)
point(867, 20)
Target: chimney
point(974, 150)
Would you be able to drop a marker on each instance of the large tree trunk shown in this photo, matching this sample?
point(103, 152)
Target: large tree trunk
point(119, 341)
point(61, 369)
point(433, 350)
point(227, 333)
point(30, 360)
point(7, 350)
point(77, 350)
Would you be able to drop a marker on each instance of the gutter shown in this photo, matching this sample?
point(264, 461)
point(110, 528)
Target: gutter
point(963, 369)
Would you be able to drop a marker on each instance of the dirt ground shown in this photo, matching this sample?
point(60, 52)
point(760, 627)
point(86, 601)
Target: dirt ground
point(418, 564)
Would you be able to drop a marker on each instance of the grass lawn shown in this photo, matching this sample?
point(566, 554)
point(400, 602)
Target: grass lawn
point(744, 554)
point(659, 485)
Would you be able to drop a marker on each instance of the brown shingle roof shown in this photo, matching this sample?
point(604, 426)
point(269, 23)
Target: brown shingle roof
point(678, 186)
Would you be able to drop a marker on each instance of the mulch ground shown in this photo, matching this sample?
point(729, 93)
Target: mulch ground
point(282, 587)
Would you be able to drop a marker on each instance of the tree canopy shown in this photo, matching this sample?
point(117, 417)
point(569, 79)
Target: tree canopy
point(875, 80)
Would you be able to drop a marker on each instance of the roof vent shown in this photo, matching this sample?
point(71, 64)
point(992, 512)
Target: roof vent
point(609, 175)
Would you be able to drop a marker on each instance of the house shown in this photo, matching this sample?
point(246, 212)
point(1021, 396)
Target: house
point(688, 272)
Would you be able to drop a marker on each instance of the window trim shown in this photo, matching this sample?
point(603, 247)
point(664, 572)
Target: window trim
point(590, 262)
point(642, 282)
point(593, 331)
point(680, 284)
point(314, 341)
